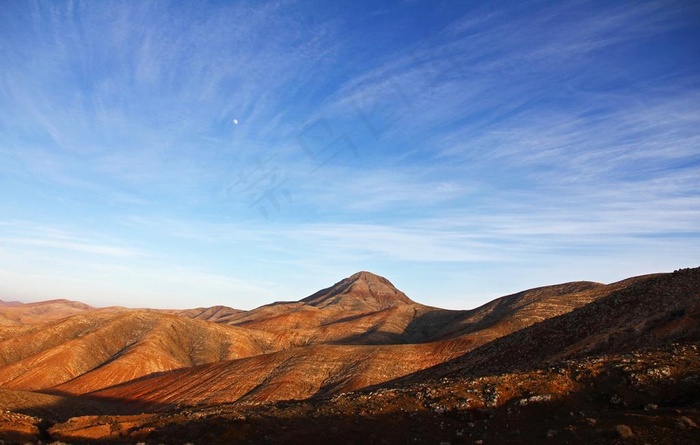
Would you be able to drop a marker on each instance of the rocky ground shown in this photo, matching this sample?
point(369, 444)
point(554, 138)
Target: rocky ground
point(579, 363)
point(634, 398)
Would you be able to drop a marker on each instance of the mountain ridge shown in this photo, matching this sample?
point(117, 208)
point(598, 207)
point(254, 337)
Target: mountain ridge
point(360, 335)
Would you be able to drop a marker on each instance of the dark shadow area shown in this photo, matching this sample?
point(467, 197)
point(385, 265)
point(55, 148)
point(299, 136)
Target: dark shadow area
point(436, 413)
point(447, 324)
point(653, 312)
point(21, 429)
point(86, 405)
point(11, 436)
point(371, 337)
point(441, 324)
point(352, 317)
point(608, 391)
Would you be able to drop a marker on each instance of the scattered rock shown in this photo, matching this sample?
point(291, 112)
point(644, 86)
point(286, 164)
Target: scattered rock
point(651, 407)
point(616, 400)
point(438, 409)
point(552, 433)
point(659, 373)
point(491, 396)
point(535, 399)
point(624, 431)
point(686, 423)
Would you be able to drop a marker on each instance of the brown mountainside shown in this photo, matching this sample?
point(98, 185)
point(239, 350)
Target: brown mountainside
point(60, 359)
point(217, 314)
point(33, 313)
point(98, 349)
point(362, 291)
point(643, 312)
point(350, 364)
point(293, 374)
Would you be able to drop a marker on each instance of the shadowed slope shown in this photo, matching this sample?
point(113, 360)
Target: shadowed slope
point(569, 404)
point(508, 314)
point(641, 312)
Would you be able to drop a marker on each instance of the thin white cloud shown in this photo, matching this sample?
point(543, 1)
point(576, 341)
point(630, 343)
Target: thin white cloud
point(24, 233)
point(503, 145)
point(67, 245)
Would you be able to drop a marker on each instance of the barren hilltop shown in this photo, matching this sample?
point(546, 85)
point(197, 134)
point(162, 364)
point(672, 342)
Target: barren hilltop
point(360, 362)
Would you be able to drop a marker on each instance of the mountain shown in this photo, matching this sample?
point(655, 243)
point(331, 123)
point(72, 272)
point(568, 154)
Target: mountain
point(93, 350)
point(218, 314)
point(361, 309)
point(33, 313)
point(349, 365)
point(367, 309)
point(362, 291)
point(645, 312)
point(361, 356)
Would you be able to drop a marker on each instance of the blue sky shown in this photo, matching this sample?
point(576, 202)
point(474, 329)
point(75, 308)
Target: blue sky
point(464, 150)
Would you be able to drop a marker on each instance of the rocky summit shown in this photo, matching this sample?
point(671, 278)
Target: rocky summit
point(360, 362)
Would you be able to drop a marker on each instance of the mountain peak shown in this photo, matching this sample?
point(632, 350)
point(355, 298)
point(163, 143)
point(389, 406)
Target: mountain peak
point(363, 275)
point(360, 291)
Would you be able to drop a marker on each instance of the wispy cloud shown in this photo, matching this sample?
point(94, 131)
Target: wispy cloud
point(496, 140)
point(24, 233)
point(479, 71)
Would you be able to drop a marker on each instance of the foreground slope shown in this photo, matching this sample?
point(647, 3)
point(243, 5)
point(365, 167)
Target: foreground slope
point(294, 374)
point(639, 397)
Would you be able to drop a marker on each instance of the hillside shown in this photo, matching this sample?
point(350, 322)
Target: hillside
point(93, 350)
point(34, 313)
point(358, 340)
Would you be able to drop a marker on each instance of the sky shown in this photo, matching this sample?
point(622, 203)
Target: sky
point(188, 154)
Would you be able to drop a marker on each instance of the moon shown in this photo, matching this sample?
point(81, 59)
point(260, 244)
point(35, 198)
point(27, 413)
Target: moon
point(235, 122)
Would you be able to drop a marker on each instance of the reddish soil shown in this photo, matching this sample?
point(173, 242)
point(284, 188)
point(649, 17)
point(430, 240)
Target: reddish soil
point(360, 362)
